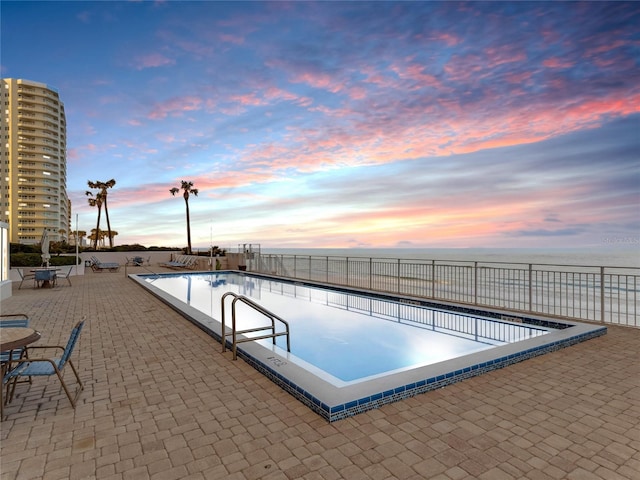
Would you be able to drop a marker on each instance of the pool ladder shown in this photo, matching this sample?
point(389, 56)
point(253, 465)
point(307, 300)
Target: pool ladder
point(235, 332)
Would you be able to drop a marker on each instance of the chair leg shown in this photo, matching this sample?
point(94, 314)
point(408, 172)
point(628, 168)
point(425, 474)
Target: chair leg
point(64, 385)
point(66, 390)
point(11, 385)
point(3, 369)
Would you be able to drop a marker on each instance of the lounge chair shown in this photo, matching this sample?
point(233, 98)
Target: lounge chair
point(34, 367)
point(183, 261)
point(98, 266)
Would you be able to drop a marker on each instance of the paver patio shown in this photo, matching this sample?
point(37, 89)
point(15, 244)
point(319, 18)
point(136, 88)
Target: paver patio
point(162, 402)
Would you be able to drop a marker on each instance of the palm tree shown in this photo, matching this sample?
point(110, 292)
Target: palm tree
point(113, 234)
point(99, 237)
point(187, 187)
point(78, 236)
point(103, 186)
point(95, 202)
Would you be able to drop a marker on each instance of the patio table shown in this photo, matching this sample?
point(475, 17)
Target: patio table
point(52, 275)
point(17, 337)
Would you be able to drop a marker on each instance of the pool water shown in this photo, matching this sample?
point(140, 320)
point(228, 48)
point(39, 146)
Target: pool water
point(347, 336)
point(352, 351)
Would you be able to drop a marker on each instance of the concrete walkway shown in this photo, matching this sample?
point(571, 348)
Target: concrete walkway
point(162, 402)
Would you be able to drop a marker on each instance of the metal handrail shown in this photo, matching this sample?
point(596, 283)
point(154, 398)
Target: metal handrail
point(235, 332)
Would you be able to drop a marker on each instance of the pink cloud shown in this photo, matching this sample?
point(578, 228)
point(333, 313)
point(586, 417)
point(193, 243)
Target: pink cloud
point(322, 81)
point(175, 107)
point(416, 72)
point(449, 39)
point(153, 60)
point(234, 39)
point(248, 99)
point(557, 63)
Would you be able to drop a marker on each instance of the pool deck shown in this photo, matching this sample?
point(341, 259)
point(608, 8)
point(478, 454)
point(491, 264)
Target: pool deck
point(162, 402)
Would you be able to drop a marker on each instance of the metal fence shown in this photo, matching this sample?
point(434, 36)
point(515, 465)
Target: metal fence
point(600, 294)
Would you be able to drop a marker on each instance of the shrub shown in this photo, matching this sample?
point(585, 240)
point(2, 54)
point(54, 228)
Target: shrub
point(35, 260)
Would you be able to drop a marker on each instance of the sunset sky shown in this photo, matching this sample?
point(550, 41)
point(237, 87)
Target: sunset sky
point(335, 124)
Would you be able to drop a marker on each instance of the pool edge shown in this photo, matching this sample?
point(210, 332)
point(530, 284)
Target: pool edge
point(572, 334)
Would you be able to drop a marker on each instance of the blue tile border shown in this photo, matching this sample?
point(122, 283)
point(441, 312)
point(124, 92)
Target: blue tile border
point(348, 409)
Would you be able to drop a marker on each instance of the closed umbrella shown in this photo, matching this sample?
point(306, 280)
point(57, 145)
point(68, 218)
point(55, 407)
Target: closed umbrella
point(44, 244)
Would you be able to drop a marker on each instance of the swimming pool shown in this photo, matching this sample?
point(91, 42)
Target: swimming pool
point(352, 350)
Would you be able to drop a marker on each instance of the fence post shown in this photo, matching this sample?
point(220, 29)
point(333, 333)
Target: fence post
point(602, 294)
point(475, 283)
point(370, 272)
point(530, 280)
point(327, 271)
point(433, 279)
point(347, 281)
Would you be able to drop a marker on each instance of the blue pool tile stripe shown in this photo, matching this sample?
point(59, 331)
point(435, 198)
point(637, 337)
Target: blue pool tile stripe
point(353, 407)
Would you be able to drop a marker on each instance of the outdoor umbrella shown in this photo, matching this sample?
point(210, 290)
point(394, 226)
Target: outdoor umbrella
point(44, 243)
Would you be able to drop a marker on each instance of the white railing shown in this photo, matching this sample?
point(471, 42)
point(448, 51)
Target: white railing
point(593, 293)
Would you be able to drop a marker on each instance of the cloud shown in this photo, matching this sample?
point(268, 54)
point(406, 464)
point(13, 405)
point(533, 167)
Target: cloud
point(176, 106)
point(153, 60)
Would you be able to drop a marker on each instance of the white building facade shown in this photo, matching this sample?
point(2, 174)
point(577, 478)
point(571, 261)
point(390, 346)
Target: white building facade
point(33, 162)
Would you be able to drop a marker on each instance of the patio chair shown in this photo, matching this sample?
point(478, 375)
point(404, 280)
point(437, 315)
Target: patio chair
point(12, 320)
point(24, 276)
point(67, 275)
point(35, 367)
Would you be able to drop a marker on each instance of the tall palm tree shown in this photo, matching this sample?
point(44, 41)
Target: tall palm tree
point(95, 202)
point(103, 186)
point(78, 236)
point(188, 189)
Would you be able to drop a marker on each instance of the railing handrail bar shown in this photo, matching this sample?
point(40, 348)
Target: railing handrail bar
point(456, 262)
point(259, 308)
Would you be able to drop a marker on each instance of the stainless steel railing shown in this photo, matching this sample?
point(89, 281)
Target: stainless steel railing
point(235, 332)
point(593, 293)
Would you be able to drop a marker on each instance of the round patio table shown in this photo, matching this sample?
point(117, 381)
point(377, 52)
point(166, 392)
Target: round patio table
point(17, 337)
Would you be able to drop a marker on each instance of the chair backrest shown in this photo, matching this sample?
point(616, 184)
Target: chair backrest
point(73, 338)
point(14, 320)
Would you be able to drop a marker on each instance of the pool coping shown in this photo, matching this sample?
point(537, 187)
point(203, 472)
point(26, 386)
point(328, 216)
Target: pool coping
point(336, 403)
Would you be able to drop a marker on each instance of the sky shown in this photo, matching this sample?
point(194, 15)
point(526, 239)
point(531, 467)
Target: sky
point(345, 124)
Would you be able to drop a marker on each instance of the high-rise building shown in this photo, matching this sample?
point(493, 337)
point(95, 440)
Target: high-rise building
point(33, 162)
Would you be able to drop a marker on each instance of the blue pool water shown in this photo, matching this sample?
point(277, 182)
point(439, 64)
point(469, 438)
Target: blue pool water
point(347, 336)
point(352, 351)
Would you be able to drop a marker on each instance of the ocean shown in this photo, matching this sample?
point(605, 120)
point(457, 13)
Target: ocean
point(600, 256)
